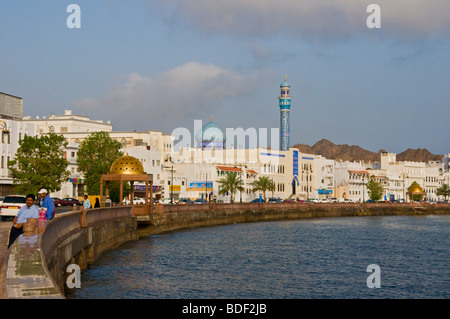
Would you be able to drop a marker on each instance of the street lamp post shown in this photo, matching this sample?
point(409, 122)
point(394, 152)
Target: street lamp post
point(206, 187)
point(169, 158)
point(240, 166)
point(364, 197)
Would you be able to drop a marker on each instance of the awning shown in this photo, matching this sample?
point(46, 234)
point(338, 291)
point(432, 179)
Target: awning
point(251, 171)
point(229, 169)
point(359, 172)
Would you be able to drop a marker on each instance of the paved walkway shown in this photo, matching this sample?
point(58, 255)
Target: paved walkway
point(4, 232)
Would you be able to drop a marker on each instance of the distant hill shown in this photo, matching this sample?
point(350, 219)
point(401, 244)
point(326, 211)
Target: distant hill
point(346, 152)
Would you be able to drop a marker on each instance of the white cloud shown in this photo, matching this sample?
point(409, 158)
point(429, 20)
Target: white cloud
point(312, 19)
point(189, 91)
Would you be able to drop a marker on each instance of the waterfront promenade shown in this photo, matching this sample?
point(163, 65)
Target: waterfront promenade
point(106, 227)
point(4, 231)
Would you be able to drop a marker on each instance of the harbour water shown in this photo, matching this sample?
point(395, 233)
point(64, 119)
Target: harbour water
point(316, 258)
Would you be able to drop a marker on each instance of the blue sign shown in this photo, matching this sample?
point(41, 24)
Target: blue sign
point(142, 188)
point(295, 163)
point(325, 191)
point(201, 185)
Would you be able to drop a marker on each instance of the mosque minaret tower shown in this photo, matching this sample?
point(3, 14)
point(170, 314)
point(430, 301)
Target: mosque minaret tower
point(285, 106)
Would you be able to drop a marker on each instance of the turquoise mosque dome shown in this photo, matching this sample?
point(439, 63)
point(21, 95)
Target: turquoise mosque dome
point(210, 136)
point(285, 84)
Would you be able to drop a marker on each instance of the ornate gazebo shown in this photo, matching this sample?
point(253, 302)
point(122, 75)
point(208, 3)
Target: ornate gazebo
point(416, 190)
point(129, 169)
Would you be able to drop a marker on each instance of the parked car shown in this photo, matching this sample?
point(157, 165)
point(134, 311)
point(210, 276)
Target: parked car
point(289, 201)
point(370, 201)
point(69, 201)
point(324, 200)
point(274, 200)
point(313, 200)
point(11, 205)
point(256, 200)
point(200, 201)
point(184, 201)
point(165, 201)
point(57, 201)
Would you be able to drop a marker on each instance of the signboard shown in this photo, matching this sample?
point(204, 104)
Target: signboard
point(141, 188)
point(175, 188)
point(201, 185)
point(295, 163)
point(76, 181)
point(325, 191)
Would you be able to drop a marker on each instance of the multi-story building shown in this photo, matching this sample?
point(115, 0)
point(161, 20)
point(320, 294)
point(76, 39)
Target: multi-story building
point(12, 131)
point(11, 107)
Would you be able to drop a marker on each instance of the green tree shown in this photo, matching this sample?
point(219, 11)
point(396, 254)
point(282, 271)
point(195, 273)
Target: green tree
point(114, 191)
point(39, 162)
point(231, 184)
point(374, 189)
point(444, 190)
point(263, 184)
point(95, 156)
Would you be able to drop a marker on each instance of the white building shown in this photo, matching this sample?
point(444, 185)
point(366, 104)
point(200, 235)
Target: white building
point(12, 131)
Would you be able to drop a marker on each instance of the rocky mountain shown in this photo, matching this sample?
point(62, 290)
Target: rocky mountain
point(346, 152)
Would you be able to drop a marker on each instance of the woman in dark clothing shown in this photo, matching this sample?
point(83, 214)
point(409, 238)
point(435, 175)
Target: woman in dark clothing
point(97, 203)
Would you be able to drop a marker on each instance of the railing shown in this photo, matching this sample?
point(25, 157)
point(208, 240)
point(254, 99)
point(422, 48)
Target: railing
point(287, 206)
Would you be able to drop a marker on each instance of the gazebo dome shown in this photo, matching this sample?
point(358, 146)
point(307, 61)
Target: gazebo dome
point(416, 189)
point(127, 165)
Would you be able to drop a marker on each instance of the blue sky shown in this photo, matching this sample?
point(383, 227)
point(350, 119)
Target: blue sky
point(161, 64)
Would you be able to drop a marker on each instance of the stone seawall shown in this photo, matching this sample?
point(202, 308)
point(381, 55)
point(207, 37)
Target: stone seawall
point(36, 265)
point(176, 217)
point(80, 240)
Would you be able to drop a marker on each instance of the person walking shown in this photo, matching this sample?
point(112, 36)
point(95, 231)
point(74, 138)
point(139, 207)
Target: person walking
point(47, 202)
point(27, 211)
point(87, 202)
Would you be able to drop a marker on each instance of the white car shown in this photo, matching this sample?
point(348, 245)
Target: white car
point(11, 205)
point(165, 201)
point(136, 201)
point(325, 200)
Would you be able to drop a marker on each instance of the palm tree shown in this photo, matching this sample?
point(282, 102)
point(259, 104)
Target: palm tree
point(444, 190)
point(263, 184)
point(231, 184)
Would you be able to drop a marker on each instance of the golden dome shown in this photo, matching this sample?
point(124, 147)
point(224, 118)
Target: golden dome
point(127, 165)
point(416, 189)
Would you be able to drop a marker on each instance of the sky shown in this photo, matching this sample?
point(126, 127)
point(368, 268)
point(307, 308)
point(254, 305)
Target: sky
point(162, 64)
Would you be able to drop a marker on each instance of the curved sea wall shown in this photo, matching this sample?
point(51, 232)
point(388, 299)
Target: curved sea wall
point(176, 217)
point(37, 265)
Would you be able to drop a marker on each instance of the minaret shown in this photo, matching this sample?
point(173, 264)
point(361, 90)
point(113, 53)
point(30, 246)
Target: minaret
point(285, 106)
